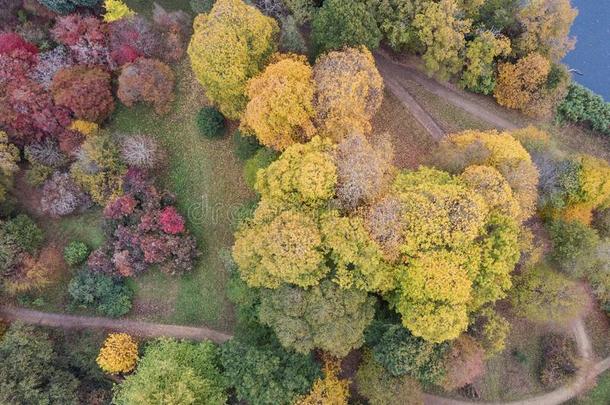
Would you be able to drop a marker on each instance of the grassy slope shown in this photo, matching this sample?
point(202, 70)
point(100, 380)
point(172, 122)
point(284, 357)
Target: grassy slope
point(207, 179)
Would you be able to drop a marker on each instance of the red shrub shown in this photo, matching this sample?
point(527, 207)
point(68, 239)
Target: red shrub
point(27, 112)
point(70, 141)
point(155, 248)
point(15, 67)
point(133, 36)
point(74, 28)
point(124, 54)
point(120, 207)
point(176, 29)
point(147, 80)
point(464, 362)
point(171, 221)
point(85, 91)
point(10, 42)
point(99, 261)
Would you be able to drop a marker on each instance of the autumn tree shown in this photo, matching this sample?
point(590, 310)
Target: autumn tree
point(175, 372)
point(442, 33)
point(338, 24)
point(330, 390)
point(479, 58)
point(230, 45)
point(280, 107)
point(119, 354)
point(500, 151)
point(31, 371)
point(326, 317)
point(116, 10)
point(543, 295)
point(147, 80)
point(464, 362)
point(546, 28)
point(349, 91)
point(490, 329)
point(86, 92)
point(395, 19)
point(9, 157)
point(381, 388)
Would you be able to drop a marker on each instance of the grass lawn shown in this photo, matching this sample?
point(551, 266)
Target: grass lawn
point(207, 179)
point(598, 395)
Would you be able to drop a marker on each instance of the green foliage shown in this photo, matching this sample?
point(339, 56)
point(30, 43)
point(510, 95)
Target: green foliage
point(261, 159)
point(201, 6)
point(67, 6)
point(381, 388)
point(267, 374)
point(582, 106)
point(601, 222)
point(291, 39)
point(574, 245)
point(23, 233)
point(559, 360)
point(491, 330)
point(302, 10)
point(30, 371)
point(75, 253)
point(499, 15)
point(230, 45)
point(106, 295)
point(401, 353)
point(9, 157)
point(325, 317)
point(210, 122)
point(479, 57)
point(341, 24)
point(246, 146)
point(543, 295)
point(395, 19)
point(175, 372)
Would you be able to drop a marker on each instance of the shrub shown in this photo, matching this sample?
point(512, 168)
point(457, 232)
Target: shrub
point(581, 105)
point(119, 354)
point(267, 374)
point(330, 389)
point(61, 196)
point(171, 221)
point(574, 246)
point(147, 80)
point(601, 222)
point(302, 10)
point(9, 157)
point(381, 388)
point(245, 145)
point(349, 91)
point(84, 127)
point(491, 330)
point(339, 24)
point(175, 372)
point(67, 6)
point(402, 353)
point(141, 151)
point(86, 37)
point(85, 91)
point(210, 122)
point(280, 109)
point(177, 29)
point(464, 362)
point(543, 295)
point(133, 37)
point(559, 360)
point(107, 295)
point(46, 153)
point(291, 39)
point(201, 6)
point(230, 45)
point(23, 232)
point(76, 253)
point(29, 274)
point(116, 10)
point(11, 42)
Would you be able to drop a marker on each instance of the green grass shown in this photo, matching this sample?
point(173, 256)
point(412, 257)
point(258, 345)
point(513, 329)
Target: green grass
point(207, 180)
point(145, 7)
point(599, 395)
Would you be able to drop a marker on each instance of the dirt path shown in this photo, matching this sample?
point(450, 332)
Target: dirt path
point(138, 328)
point(393, 72)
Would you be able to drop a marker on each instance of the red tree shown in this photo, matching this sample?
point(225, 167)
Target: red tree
point(171, 221)
point(147, 80)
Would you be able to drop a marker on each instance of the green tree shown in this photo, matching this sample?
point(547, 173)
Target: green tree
point(267, 374)
point(67, 6)
point(479, 58)
point(574, 246)
point(9, 157)
point(339, 24)
point(442, 33)
point(230, 45)
point(395, 19)
point(325, 317)
point(30, 371)
point(175, 372)
point(543, 295)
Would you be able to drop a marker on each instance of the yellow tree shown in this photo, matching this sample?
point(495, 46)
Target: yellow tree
point(442, 33)
point(349, 91)
point(9, 157)
point(280, 109)
point(119, 354)
point(479, 57)
point(115, 10)
point(546, 28)
point(230, 45)
point(330, 390)
point(521, 85)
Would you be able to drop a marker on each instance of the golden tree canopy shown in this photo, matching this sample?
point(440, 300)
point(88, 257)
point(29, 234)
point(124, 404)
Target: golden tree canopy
point(230, 45)
point(349, 91)
point(280, 109)
point(119, 354)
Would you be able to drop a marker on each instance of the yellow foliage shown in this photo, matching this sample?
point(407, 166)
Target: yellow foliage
point(329, 390)
point(280, 109)
point(119, 354)
point(9, 156)
point(30, 274)
point(489, 183)
point(116, 10)
point(230, 45)
point(349, 91)
point(521, 85)
point(86, 128)
point(595, 181)
point(442, 32)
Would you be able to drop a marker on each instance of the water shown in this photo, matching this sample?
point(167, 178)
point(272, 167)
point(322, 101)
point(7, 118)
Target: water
point(592, 53)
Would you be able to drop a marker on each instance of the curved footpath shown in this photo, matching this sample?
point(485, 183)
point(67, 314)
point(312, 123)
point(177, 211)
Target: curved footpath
point(148, 329)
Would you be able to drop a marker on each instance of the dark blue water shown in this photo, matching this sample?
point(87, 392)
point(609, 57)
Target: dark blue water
point(592, 53)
